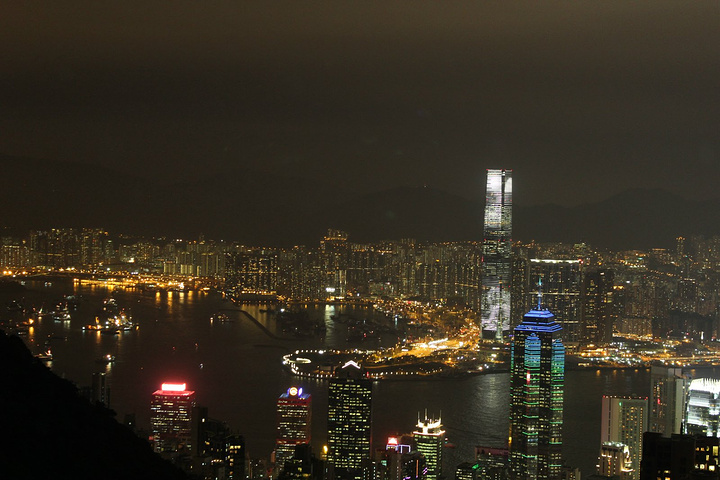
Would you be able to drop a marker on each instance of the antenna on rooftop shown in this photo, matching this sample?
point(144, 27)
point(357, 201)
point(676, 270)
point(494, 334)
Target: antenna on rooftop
point(539, 305)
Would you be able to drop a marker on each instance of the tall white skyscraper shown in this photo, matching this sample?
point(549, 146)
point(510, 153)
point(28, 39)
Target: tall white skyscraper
point(497, 246)
point(624, 420)
point(703, 408)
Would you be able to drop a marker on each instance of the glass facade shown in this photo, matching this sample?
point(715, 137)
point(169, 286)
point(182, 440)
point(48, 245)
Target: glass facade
point(497, 246)
point(536, 398)
point(349, 418)
point(171, 418)
point(293, 424)
point(429, 440)
point(703, 408)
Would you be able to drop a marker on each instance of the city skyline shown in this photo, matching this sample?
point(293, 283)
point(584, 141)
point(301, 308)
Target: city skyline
point(342, 174)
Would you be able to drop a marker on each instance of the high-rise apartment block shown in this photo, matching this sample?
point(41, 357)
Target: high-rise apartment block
point(497, 247)
point(624, 420)
point(171, 418)
point(668, 392)
point(537, 376)
point(562, 289)
point(597, 314)
point(349, 421)
point(293, 424)
point(252, 273)
point(429, 440)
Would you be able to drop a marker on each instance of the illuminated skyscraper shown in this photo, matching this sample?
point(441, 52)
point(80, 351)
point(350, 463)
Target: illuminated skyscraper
point(615, 461)
point(293, 424)
point(597, 306)
point(171, 418)
point(624, 420)
point(537, 377)
point(429, 440)
point(349, 418)
point(703, 408)
point(668, 391)
point(497, 246)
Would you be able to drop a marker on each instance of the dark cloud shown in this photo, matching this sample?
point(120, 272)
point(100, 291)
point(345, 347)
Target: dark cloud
point(582, 99)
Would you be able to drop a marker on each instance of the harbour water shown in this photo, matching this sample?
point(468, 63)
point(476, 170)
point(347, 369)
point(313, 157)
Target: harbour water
point(235, 368)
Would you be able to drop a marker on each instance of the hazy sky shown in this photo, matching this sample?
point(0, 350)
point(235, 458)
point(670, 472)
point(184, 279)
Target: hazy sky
point(581, 98)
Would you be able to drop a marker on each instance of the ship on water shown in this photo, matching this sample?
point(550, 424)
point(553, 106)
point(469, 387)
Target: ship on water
point(112, 319)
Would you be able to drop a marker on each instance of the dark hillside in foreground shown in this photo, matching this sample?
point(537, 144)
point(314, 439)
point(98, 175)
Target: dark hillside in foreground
point(49, 431)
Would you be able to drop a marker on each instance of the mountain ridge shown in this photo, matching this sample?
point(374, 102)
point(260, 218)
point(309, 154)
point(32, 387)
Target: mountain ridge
point(258, 208)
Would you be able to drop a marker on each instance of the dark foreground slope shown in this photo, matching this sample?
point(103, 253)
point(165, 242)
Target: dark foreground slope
point(48, 431)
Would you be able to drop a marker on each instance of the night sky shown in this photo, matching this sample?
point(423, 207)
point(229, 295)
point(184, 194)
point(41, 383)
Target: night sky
point(582, 99)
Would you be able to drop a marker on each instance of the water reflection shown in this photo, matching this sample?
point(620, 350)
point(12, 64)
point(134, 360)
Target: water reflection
point(235, 368)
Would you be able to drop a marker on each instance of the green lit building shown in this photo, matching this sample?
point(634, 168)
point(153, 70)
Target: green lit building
point(536, 397)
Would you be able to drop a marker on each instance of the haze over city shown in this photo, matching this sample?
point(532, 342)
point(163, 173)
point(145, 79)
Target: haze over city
point(360, 241)
point(582, 99)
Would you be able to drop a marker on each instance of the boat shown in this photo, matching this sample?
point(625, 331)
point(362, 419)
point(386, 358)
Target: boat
point(220, 317)
point(60, 316)
point(112, 318)
point(110, 331)
point(105, 359)
point(45, 356)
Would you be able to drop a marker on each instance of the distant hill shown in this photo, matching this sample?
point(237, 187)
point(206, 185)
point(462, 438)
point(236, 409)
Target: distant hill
point(49, 431)
point(257, 208)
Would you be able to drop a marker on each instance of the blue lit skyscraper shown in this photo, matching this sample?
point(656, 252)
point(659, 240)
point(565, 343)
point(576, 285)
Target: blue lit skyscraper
point(537, 373)
point(497, 245)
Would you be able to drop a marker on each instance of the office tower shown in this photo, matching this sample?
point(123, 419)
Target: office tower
point(303, 465)
point(537, 370)
point(561, 288)
point(624, 420)
point(293, 424)
point(199, 431)
point(492, 463)
point(171, 418)
point(615, 461)
point(235, 457)
point(414, 466)
point(668, 389)
point(497, 246)
point(667, 458)
point(100, 390)
point(703, 408)
point(466, 471)
point(597, 312)
point(349, 418)
point(429, 440)
point(388, 461)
